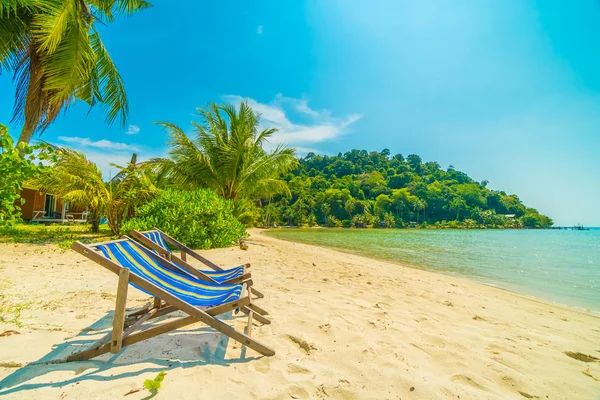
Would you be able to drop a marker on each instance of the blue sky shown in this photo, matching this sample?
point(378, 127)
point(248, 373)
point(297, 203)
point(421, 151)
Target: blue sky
point(505, 90)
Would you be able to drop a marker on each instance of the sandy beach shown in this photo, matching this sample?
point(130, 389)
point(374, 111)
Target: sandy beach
point(344, 327)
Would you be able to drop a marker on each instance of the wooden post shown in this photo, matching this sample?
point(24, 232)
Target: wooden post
point(63, 215)
point(249, 328)
point(119, 318)
point(183, 255)
point(157, 302)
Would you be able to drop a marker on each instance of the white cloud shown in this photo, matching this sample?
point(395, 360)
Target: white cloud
point(132, 130)
point(98, 144)
point(104, 152)
point(104, 160)
point(317, 126)
point(259, 30)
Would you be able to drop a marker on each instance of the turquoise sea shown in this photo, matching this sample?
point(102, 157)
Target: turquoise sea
point(556, 265)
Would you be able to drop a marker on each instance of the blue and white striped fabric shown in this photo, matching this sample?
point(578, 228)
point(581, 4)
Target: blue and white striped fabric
point(193, 291)
point(219, 276)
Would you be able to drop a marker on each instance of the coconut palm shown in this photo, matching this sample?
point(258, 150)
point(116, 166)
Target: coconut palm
point(419, 205)
point(56, 56)
point(78, 180)
point(131, 187)
point(227, 155)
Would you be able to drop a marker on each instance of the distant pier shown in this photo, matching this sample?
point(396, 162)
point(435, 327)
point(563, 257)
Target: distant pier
point(571, 228)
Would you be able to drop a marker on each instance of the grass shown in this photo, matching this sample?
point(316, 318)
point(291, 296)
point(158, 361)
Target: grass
point(10, 312)
point(61, 235)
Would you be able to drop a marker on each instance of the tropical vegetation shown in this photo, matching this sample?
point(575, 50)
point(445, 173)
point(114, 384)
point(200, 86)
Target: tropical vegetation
point(375, 189)
point(227, 154)
point(74, 178)
point(200, 218)
point(18, 163)
point(56, 55)
point(222, 177)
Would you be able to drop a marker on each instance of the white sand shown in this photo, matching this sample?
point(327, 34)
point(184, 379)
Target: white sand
point(344, 327)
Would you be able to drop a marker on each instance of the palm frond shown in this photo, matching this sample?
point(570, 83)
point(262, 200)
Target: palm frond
point(227, 154)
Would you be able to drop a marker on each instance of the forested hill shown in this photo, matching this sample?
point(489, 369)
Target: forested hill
point(363, 189)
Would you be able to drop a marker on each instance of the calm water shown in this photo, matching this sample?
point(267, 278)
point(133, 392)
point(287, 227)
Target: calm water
point(561, 266)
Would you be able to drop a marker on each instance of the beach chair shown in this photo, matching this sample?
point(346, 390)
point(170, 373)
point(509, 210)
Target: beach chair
point(172, 290)
point(159, 241)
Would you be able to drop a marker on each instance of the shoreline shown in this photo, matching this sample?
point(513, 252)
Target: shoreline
point(422, 267)
point(344, 326)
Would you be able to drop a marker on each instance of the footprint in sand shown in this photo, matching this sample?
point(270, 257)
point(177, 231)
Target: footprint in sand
point(465, 380)
point(336, 392)
point(369, 353)
point(527, 395)
point(325, 327)
point(297, 369)
point(582, 357)
point(263, 366)
point(297, 392)
point(303, 344)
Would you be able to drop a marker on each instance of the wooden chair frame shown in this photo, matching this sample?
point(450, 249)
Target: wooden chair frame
point(182, 261)
point(168, 263)
point(124, 326)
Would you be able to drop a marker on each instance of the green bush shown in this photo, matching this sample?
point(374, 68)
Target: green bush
point(18, 163)
point(200, 219)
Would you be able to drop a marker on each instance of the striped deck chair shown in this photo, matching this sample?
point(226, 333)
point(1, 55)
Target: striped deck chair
point(172, 289)
point(159, 241)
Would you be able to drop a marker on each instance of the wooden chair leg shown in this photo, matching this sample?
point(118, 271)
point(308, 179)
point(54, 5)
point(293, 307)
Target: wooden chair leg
point(258, 309)
point(260, 318)
point(119, 317)
point(257, 293)
point(157, 302)
point(249, 326)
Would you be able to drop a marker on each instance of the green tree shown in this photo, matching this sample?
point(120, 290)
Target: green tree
point(17, 165)
point(227, 155)
point(418, 206)
point(533, 219)
point(383, 204)
point(74, 178)
point(55, 53)
point(131, 187)
point(343, 186)
point(458, 205)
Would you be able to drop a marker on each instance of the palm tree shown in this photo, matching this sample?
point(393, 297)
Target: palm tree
point(55, 53)
point(419, 205)
point(78, 180)
point(227, 155)
point(131, 187)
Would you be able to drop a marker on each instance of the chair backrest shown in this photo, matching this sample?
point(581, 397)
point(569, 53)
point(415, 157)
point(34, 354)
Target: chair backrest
point(157, 238)
point(147, 265)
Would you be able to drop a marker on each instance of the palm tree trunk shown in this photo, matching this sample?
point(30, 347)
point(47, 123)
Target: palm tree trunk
point(95, 221)
point(26, 133)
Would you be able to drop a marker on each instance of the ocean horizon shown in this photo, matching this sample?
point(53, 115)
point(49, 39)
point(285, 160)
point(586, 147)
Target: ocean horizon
point(561, 266)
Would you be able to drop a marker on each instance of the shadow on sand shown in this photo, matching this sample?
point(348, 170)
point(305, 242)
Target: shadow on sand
point(184, 348)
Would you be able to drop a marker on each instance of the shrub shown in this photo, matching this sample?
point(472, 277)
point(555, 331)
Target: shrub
point(200, 219)
point(388, 220)
point(18, 163)
point(333, 222)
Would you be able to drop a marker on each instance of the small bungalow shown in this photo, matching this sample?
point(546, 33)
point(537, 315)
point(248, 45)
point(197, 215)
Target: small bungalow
point(47, 208)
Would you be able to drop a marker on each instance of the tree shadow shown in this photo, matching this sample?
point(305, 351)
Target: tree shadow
point(182, 348)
